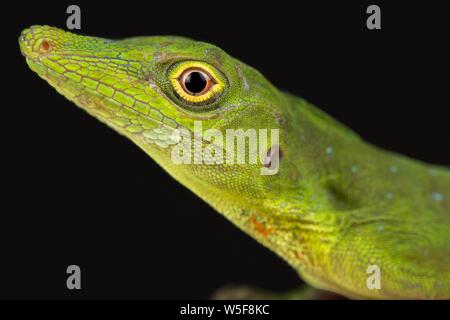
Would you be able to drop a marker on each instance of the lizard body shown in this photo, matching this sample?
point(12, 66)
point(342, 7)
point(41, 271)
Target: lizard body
point(337, 204)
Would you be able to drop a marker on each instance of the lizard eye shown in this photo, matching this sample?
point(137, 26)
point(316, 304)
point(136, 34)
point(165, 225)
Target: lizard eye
point(196, 82)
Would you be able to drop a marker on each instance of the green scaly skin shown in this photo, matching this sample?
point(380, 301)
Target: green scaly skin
point(337, 204)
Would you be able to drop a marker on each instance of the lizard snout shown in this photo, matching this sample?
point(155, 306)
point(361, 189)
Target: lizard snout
point(41, 40)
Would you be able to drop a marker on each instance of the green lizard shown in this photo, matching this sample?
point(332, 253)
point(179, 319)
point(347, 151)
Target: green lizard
point(336, 205)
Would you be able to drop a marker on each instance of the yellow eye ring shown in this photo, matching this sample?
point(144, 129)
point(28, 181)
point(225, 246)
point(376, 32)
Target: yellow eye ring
point(196, 82)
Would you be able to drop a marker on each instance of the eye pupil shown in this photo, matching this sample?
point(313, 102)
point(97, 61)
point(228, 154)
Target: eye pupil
point(195, 82)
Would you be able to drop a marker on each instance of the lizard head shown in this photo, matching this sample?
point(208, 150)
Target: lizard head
point(181, 101)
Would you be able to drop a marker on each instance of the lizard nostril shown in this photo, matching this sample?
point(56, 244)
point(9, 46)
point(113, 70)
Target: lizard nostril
point(45, 46)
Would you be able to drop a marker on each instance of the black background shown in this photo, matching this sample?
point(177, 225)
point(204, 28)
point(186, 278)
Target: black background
point(78, 193)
